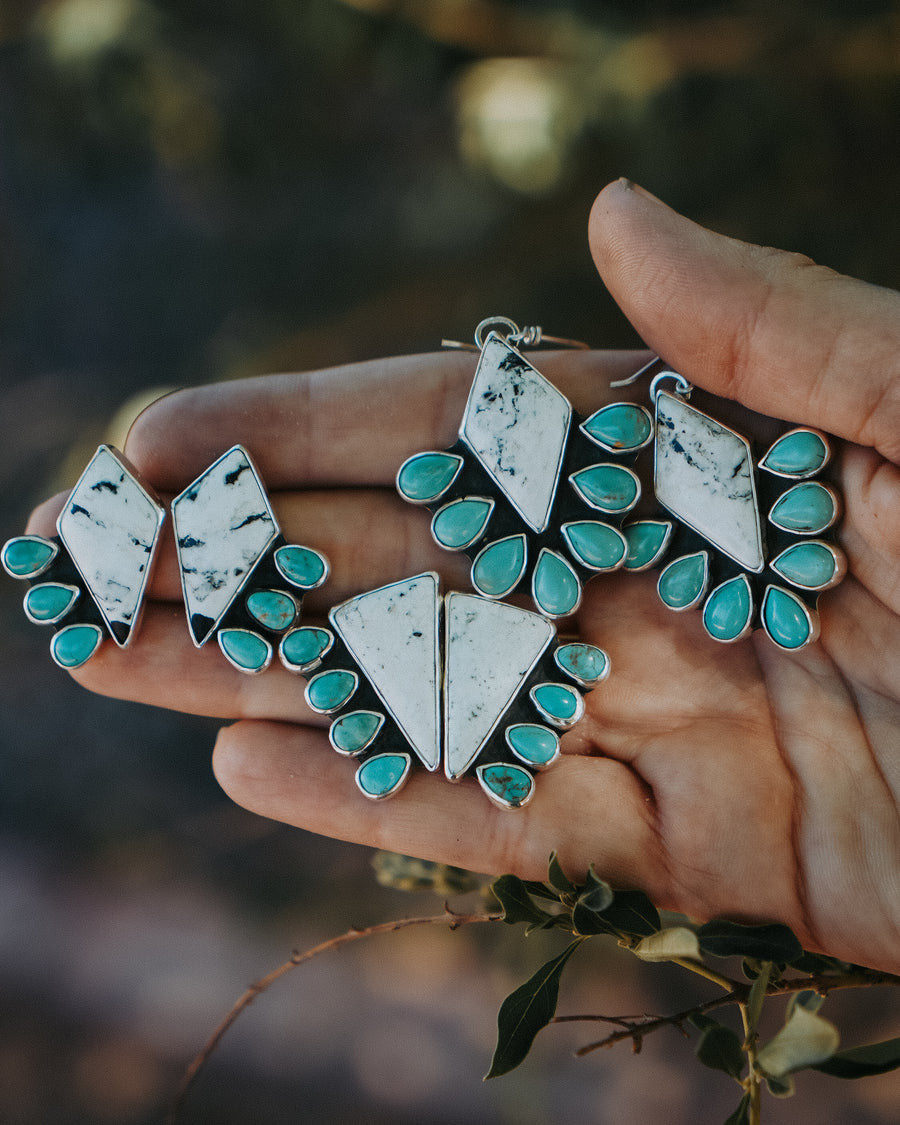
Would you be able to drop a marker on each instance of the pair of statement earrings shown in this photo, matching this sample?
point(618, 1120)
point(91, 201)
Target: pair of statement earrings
point(539, 498)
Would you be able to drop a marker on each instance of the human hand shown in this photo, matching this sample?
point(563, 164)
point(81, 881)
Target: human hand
point(735, 781)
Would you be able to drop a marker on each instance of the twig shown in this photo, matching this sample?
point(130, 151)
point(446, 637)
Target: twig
point(300, 958)
point(636, 1029)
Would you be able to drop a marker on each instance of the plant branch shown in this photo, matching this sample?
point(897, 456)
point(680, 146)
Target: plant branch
point(297, 958)
point(636, 1029)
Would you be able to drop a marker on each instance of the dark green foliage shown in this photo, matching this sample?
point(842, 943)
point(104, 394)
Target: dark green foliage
point(720, 1049)
point(772, 942)
point(861, 1062)
point(525, 1011)
point(741, 1115)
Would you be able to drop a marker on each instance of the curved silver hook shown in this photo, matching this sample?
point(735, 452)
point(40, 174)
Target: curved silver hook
point(682, 386)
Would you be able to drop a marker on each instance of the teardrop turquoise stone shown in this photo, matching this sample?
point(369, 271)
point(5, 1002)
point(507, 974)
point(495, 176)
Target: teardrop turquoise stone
point(810, 565)
point(586, 663)
point(75, 644)
point(595, 544)
point(382, 775)
point(806, 509)
point(683, 581)
point(427, 476)
point(272, 609)
point(50, 601)
point(728, 609)
point(785, 618)
point(353, 732)
point(511, 784)
point(301, 566)
point(555, 585)
point(607, 487)
point(646, 541)
point(460, 524)
point(534, 744)
point(498, 567)
point(798, 454)
point(303, 647)
point(330, 690)
point(621, 427)
point(27, 555)
point(557, 701)
point(251, 653)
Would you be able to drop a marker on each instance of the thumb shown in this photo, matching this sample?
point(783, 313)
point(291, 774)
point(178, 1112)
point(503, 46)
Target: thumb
point(771, 329)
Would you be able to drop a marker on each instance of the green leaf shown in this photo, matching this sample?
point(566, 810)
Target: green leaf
point(558, 878)
point(524, 1012)
point(518, 906)
point(633, 913)
point(741, 1115)
point(702, 1021)
point(772, 942)
point(757, 995)
point(407, 873)
point(678, 941)
point(805, 1040)
point(720, 1049)
point(816, 963)
point(780, 1087)
point(540, 890)
point(811, 1001)
point(861, 1062)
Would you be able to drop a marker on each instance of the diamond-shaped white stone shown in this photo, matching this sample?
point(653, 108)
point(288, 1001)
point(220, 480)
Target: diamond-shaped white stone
point(224, 524)
point(516, 424)
point(393, 635)
point(704, 475)
point(110, 527)
point(490, 649)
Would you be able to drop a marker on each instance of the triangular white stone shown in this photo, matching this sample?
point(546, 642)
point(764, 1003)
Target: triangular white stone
point(393, 634)
point(224, 524)
point(516, 424)
point(704, 475)
point(491, 648)
point(110, 527)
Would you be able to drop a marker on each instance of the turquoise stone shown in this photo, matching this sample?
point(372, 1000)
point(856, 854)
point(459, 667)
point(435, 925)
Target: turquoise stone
point(353, 732)
point(27, 555)
point(647, 540)
point(49, 602)
point(303, 648)
point(75, 644)
point(510, 786)
point(797, 454)
point(683, 582)
point(247, 651)
point(810, 565)
point(728, 609)
point(621, 428)
point(595, 544)
point(272, 609)
point(785, 618)
point(330, 690)
point(555, 585)
point(461, 523)
point(806, 509)
point(499, 566)
point(301, 566)
point(561, 704)
point(533, 744)
point(427, 476)
point(585, 663)
point(382, 775)
point(610, 488)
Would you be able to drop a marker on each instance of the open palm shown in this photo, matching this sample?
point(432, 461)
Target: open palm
point(724, 780)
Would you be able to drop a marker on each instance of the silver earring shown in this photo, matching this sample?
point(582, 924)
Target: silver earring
point(242, 582)
point(90, 580)
point(743, 537)
point(535, 495)
point(411, 677)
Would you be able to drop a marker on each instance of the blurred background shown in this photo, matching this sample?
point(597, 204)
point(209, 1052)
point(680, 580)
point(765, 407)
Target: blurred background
point(192, 191)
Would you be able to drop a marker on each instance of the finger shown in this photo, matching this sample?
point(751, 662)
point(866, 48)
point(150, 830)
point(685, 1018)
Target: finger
point(771, 329)
point(293, 775)
point(348, 425)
